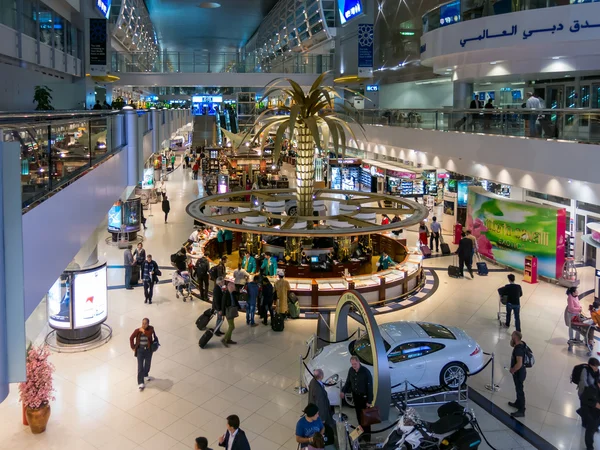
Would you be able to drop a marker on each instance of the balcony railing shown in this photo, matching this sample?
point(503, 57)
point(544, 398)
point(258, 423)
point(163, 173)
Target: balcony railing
point(456, 11)
point(576, 124)
point(57, 148)
point(206, 62)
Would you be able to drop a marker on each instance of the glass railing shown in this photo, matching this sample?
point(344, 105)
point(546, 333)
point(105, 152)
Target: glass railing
point(206, 62)
point(460, 10)
point(576, 124)
point(57, 148)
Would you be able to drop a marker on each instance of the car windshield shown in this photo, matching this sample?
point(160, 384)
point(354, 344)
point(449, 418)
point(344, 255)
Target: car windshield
point(437, 331)
point(362, 348)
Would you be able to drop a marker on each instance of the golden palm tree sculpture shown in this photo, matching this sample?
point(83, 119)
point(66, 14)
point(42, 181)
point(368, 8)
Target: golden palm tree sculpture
point(312, 118)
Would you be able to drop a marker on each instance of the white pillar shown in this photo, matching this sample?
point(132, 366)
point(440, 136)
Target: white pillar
point(155, 130)
point(134, 144)
point(462, 94)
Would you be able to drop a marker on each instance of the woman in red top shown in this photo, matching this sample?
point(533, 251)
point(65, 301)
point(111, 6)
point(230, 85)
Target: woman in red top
point(385, 220)
point(141, 341)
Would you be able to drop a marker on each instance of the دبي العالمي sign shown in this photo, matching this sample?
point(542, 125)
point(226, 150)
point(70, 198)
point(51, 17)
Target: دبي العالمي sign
point(349, 9)
point(104, 7)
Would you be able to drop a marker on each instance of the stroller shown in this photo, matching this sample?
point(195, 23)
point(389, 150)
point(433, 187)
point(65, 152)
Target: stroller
point(182, 281)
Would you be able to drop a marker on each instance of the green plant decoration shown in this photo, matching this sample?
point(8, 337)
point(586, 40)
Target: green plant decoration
point(43, 97)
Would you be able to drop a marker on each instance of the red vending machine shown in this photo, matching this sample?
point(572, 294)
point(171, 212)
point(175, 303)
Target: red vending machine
point(458, 228)
point(530, 272)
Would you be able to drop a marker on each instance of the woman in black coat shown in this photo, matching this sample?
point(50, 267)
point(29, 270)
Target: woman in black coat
point(166, 207)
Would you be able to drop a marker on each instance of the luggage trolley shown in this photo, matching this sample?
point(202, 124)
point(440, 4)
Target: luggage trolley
point(182, 284)
point(502, 313)
point(585, 327)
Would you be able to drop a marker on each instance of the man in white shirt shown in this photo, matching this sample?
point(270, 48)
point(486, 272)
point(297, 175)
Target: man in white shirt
point(240, 277)
point(194, 236)
point(532, 103)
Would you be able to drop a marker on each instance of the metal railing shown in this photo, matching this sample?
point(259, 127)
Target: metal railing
point(576, 124)
point(456, 11)
point(59, 147)
point(207, 62)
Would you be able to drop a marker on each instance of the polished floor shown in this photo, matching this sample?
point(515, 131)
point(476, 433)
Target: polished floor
point(98, 405)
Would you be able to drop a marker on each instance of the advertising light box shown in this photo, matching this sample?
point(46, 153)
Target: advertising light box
point(58, 305)
point(114, 217)
point(349, 9)
point(90, 297)
point(148, 180)
point(507, 231)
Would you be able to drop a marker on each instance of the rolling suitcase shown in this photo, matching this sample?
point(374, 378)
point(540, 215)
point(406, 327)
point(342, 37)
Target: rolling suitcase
point(204, 318)
point(277, 323)
point(207, 336)
point(482, 268)
point(445, 249)
point(426, 251)
point(454, 270)
point(135, 274)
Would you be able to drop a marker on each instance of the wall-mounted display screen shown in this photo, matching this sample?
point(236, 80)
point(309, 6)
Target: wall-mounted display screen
point(463, 193)
point(58, 304)
point(349, 9)
point(90, 297)
point(450, 13)
point(148, 180)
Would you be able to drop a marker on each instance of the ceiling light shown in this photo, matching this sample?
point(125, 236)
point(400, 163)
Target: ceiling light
point(209, 5)
point(556, 57)
point(494, 63)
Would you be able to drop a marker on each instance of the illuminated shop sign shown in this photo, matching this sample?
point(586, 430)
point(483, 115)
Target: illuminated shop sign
point(372, 88)
point(104, 7)
point(349, 9)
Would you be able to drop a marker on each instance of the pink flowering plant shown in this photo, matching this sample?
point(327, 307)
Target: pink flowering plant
point(37, 390)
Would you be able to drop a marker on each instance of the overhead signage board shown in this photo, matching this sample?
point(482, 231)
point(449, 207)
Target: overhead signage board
point(349, 9)
point(372, 88)
point(104, 7)
point(365, 50)
point(98, 54)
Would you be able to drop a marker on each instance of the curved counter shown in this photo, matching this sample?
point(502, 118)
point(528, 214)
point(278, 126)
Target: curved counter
point(321, 290)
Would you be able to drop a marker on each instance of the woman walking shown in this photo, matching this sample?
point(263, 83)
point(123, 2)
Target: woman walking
point(423, 232)
point(573, 310)
point(141, 342)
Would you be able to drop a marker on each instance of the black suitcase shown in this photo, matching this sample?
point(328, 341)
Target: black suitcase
point(204, 318)
point(278, 322)
point(135, 274)
point(207, 336)
point(454, 271)
point(445, 249)
point(482, 268)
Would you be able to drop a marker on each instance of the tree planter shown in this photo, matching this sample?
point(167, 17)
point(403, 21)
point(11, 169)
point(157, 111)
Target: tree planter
point(38, 418)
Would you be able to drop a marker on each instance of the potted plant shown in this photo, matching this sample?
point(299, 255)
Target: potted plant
point(43, 98)
point(36, 390)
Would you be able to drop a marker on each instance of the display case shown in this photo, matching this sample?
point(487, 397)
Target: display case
point(125, 217)
point(530, 270)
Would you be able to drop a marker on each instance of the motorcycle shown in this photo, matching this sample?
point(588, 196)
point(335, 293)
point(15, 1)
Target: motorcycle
point(454, 430)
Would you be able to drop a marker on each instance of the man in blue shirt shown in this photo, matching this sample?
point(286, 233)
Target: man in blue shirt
point(436, 230)
point(309, 425)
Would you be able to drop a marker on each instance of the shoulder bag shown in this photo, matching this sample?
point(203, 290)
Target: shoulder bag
point(231, 312)
point(155, 344)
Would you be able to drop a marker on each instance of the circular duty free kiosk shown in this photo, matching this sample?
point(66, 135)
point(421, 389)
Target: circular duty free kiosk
point(77, 305)
point(125, 217)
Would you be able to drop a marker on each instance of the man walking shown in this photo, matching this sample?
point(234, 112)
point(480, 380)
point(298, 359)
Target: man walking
point(590, 404)
point(359, 382)
point(436, 230)
point(128, 262)
point(229, 305)
point(519, 372)
point(318, 395)
point(465, 255)
point(150, 274)
point(282, 288)
point(166, 206)
point(202, 268)
point(217, 303)
point(588, 377)
point(513, 294)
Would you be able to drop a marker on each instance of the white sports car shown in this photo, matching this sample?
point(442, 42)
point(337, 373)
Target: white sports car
point(425, 354)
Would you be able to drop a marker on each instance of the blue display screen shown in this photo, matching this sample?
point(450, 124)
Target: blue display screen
point(516, 95)
point(450, 13)
point(463, 193)
point(349, 9)
point(114, 218)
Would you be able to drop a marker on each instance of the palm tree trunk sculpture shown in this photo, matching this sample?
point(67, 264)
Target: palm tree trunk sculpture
point(305, 171)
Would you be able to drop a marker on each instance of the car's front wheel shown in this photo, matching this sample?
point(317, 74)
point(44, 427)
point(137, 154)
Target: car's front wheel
point(293, 211)
point(453, 375)
point(349, 400)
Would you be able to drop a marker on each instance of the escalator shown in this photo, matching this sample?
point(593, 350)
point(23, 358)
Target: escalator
point(206, 133)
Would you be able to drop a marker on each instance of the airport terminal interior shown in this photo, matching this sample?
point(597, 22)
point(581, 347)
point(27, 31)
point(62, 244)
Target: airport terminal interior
point(299, 224)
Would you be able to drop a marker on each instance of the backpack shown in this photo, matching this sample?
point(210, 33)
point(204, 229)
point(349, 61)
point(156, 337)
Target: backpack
point(174, 258)
point(577, 372)
point(202, 266)
point(528, 359)
point(214, 273)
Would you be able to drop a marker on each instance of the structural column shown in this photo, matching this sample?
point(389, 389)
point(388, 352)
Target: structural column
point(12, 298)
point(156, 138)
point(134, 146)
point(462, 94)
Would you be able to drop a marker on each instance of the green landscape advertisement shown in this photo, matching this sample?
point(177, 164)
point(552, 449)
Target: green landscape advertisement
point(508, 230)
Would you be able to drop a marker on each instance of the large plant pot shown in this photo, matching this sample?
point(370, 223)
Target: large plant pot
point(38, 418)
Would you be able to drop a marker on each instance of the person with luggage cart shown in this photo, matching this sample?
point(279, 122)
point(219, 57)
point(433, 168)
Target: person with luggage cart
point(511, 294)
point(202, 268)
point(181, 281)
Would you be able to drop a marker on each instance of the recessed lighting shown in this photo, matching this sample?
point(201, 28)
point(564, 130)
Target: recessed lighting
point(556, 57)
point(209, 5)
point(494, 63)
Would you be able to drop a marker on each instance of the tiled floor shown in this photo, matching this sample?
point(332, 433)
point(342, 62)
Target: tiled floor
point(98, 405)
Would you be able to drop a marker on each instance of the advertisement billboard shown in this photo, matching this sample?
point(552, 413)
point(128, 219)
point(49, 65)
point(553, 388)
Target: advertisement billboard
point(90, 297)
point(58, 305)
point(463, 193)
point(148, 179)
point(114, 217)
point(349, 9)
point(508, 230)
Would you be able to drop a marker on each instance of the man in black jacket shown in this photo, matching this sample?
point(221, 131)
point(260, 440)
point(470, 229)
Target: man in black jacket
point(359, 382)
point(318, 396)
point(513, 293)
point(217, 303)
point(202, 268)
point(590, 414)
point(180, 259)
point(465, 254)
point(150, 273)
point(240, 441)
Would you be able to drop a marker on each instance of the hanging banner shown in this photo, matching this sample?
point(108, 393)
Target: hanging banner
point(365, 50)
point(98, 37)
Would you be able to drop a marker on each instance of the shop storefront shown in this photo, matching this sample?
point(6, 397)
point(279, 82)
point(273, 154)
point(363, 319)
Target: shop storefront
point(404, 182)
point(372, 178)
point(345, 174)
